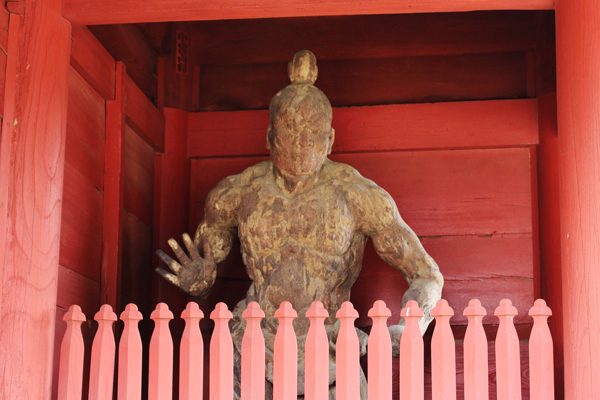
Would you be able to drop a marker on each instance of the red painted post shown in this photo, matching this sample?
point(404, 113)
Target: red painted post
point(285, 357)
point(129, 386)
point(347, 355)
point(160, 369)
point(70, 375)
point(578, 101)
point(443, 358)
point(379, 359)
point(221, 355)
point(541, 356)
point(316, 370)
point(508, 360)
point(253, 355)
point(412, 383)
point(191, 355)
point(102, 365)
point(475, 353)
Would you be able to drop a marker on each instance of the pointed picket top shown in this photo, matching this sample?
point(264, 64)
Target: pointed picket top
point(102, 363)
point(129, 378)
point(191, 355)
point(285, 357)
point(379, 361)
point(475, 350)
point(70, 375)
point(253, 354)
point(221, 355)
point(411, 354)
point(160, 370)
point(443, 360)
point(508, 359)
point(286, 310)
point(347, 355)
point(316, 382)
point(541, 354)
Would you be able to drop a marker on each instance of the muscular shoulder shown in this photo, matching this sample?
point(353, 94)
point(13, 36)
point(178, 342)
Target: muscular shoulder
point(372, 207)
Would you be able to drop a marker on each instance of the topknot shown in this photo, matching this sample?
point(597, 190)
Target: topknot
point(303, 68)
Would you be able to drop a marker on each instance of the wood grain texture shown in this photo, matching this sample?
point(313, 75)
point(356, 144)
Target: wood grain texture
point(86, 125)
point(81, 226)
point(78, 289)
point(90, 12)
point(31, 182)
point(578, 84)
point(476, 124)
point(144, 118)
point(93, 62)
point(418, 79)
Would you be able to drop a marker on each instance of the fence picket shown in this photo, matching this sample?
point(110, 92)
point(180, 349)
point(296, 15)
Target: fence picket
point(253, 355)
point(70, 373)
point(508, 362)
point(347, 381)
point(160, 371)
point(285, 357)
point(541, 358)
point(412, 382)
point(443, 358)
point(379, 361)
point(475, 353)
point(191, 355)
point(102, 364)
point(316, 370)
point(130, 356)
point(221, 355)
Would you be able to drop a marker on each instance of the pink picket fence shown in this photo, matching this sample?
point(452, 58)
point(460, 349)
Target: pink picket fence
point(160, 368)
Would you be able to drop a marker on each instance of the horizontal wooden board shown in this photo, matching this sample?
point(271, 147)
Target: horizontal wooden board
point(138, 176)
point(419, 79)
point(74, 288)
point(81, 227)
point(143, 117)
point(92, 61)
point(261, 41)
point(136, 269)
point(92, 12)
point(86, 118)
point(471, 124)
point(437, 192)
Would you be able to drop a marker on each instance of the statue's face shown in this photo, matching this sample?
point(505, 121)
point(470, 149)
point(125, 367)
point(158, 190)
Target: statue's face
point(300, 139)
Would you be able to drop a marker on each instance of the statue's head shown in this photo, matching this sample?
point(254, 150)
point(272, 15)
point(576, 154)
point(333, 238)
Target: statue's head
point(300, 135)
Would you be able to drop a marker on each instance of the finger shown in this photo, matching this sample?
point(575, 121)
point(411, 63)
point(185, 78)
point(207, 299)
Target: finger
point(183, 258)
point(192, 249)
point(207, 252)
point(168, 276)
point(174, 265)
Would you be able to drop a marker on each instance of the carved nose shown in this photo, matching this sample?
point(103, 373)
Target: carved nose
point(304, 139)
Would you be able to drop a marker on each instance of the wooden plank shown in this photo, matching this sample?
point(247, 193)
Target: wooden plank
point(136, 275)
point(112, 234)
point(90, 12)
point(143, 117)
point(125, 43)
point(4, 15)
point(91, 60)
point(81, 227)
point(138, 176)
point(476, 124)
point(2, 81)
point(263, 41)
point(31, 180)
point(86, 126)
point(77, 289)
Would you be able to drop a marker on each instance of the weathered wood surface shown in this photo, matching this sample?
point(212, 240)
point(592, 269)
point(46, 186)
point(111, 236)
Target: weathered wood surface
point(90, 12)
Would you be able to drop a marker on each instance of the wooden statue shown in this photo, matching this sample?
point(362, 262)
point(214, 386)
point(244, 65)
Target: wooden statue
point(303, 222)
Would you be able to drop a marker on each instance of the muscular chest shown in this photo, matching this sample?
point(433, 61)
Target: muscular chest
point(319, 219)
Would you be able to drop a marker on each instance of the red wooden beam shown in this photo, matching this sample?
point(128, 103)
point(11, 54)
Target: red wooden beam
point(93, 12)
point(32, 158)
point(112, 233)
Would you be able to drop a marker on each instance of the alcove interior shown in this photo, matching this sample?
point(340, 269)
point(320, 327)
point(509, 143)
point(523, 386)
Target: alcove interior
point(367, 64)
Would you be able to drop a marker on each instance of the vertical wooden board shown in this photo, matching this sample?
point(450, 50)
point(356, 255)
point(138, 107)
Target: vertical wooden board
point(86, 116)
point(93, 62)
point(136, 273)
point(138, 176)
point(2, 80)
point(4, 15)
point(81, 227)
point(454, 192)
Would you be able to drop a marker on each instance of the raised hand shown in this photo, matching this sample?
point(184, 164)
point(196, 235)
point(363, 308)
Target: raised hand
point(194, 275)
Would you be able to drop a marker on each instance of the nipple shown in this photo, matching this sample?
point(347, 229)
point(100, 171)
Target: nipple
point(303, 68)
